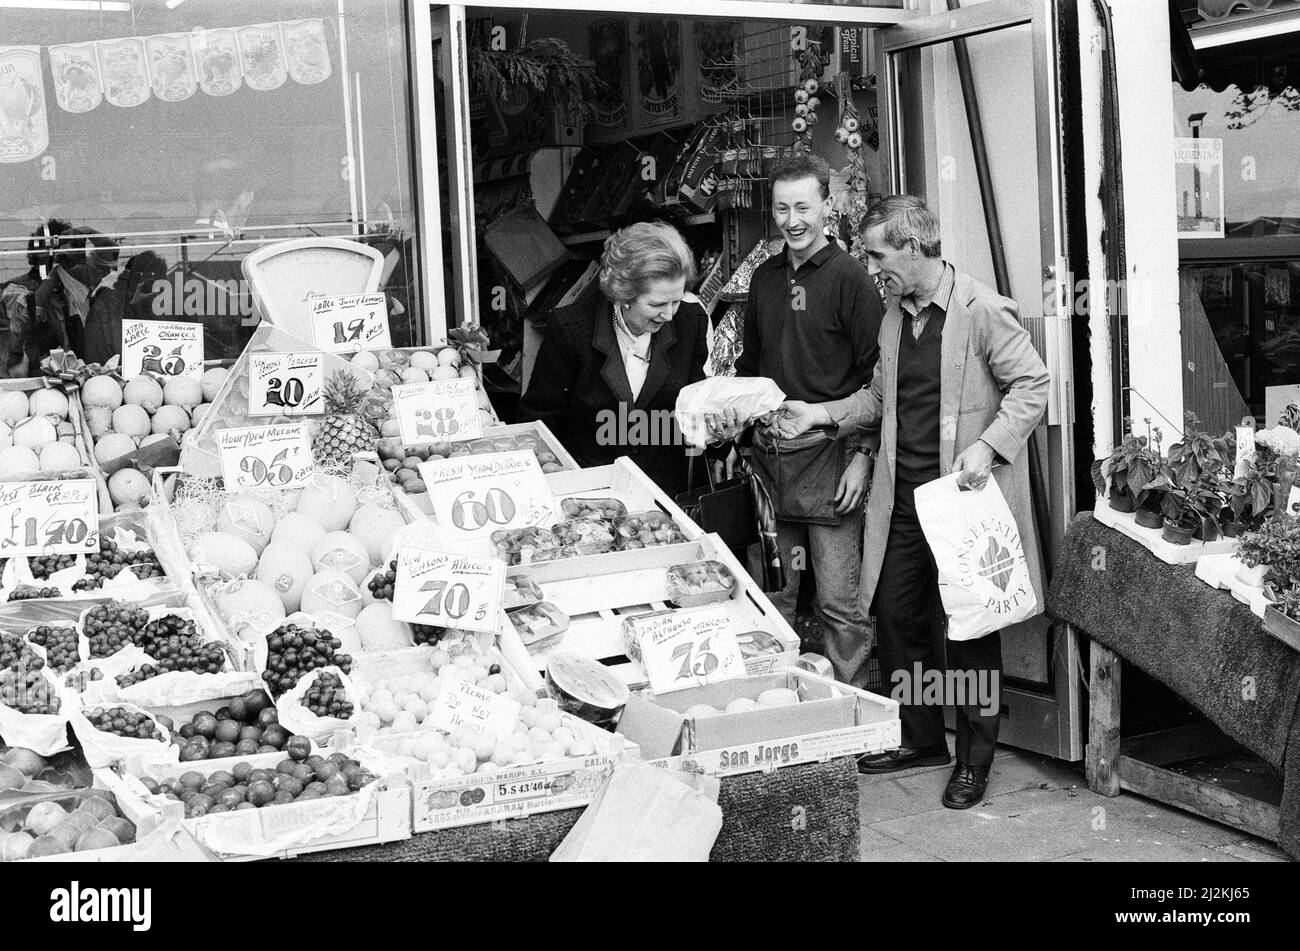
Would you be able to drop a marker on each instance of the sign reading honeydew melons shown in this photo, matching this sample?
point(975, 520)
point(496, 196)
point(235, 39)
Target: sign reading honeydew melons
point(286, 384)
point(265, 456)
point(474, 496)
point(448, 590)
point(349, 324)
point(59, 517)
point(162, 348)
point(438, 411)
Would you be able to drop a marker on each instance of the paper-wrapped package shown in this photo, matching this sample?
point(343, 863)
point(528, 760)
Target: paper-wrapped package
point(751, 396)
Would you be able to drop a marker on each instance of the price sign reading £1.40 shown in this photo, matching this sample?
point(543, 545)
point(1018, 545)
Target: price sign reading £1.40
point(689, 649)
point(448, 590)
point(473, 496)
point(349, 324)
point(438, 411)
point(42, 518)
point(285, 384)
point(265, 456)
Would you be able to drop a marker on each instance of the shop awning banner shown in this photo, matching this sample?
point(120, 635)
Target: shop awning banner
point(24, 123)
point(126, 71)
point(75, 68)
point(261, 50)
point(308, 53)
point(172, 71)
point(217, 55)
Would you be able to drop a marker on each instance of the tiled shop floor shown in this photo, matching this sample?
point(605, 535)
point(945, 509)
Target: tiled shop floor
point(1037, 809)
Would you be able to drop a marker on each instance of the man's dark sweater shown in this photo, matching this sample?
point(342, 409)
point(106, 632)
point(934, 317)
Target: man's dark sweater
point(813, 330)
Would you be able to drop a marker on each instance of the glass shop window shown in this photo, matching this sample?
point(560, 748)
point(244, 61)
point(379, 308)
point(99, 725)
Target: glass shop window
point(187, 133)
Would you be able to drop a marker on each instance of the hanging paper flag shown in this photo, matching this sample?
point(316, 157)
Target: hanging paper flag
point(24, 126)
point(217, 53)
point(75, 67)
point(309, 55)
point(171, 66)
point(261, 50)
point(125, 71)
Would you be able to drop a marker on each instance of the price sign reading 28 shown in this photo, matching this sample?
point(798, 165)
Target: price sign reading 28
point(45, 518)
point(448, 590)
point(437, 411)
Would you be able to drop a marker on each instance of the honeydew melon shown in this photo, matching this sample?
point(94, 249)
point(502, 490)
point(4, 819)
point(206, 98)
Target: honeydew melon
point(249, 520)
point(299, 530)
point(376, 527)
point(250, 607)
point(229, 554)
point(344, 552)
point(330, 500)
point(287, 569)
point(333, 591)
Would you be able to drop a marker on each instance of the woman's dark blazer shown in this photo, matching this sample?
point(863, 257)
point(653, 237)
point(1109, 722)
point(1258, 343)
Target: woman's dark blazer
point(578, 384)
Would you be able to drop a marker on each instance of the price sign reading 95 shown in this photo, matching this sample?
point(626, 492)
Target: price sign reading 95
point(438, 411)
point(474, 496)
point(448, 590)
point(48, 518)
point(265, 457)
point(689, 649)
point(285, 384)
point(348, 324)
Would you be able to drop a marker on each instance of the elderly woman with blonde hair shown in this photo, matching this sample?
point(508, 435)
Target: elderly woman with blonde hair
point(611, 364)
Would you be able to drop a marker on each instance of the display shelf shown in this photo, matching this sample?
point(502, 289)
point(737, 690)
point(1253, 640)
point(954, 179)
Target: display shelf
point(1149, 538)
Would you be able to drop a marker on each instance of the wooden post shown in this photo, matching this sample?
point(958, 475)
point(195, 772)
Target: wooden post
point(1101, 762)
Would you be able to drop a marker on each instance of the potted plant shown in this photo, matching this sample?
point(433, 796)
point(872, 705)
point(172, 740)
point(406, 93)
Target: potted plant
point(1192, 501)
point(1129, 468)
point(1271, 552)
point(1282, 617)
point(1276, 450)
point(1250, 499)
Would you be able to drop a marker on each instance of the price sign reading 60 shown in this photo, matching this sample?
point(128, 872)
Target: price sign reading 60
point(469, 514)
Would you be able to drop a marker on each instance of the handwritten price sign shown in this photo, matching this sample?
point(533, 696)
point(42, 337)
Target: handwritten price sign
point(272, 457)
point(689, 649)
point(461, 703)
point(162, 348)
point(476, 495)
point(448, 590)
point(44, 518)
point(285, 384)
point(442, 410)
point(348, 324)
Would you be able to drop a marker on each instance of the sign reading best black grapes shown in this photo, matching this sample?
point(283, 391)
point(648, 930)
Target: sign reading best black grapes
point(438, 411)
point(59, 517)
point(474, 496)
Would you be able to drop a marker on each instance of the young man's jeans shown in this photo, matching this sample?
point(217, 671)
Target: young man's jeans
point(835, 553)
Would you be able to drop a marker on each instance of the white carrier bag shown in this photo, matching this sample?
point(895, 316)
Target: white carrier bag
point(983, 577)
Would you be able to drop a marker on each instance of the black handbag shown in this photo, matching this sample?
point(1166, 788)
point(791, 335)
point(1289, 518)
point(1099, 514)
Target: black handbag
point(725, 507)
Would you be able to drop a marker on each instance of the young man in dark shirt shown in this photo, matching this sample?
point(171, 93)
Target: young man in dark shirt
point(811, 324)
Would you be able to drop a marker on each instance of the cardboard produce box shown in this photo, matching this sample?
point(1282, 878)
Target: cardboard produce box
point(831, 719)
point(377, 813)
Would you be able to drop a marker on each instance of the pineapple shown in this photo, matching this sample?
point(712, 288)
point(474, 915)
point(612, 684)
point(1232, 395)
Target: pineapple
point(344, 430)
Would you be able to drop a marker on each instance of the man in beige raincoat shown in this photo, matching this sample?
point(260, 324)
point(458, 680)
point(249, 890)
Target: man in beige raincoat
point(958, 388)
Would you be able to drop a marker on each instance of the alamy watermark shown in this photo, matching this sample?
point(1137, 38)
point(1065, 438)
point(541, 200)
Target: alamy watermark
point(76, 904)
point(941, 688)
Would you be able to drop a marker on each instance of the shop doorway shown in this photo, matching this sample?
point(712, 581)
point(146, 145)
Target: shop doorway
point(916, 82)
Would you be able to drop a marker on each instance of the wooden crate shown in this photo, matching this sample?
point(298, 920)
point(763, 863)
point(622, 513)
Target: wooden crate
point(89, 469)
point(598, 591)
point(419, 506)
